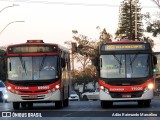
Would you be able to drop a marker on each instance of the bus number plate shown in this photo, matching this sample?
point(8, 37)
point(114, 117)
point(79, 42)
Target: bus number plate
point(126, 95)
point(32, 96)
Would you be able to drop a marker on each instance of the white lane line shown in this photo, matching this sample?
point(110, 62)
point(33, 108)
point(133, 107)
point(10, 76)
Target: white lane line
point(67, 115)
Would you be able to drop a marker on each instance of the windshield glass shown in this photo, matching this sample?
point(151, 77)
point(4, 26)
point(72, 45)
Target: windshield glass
point(32, 68)
point(124, 66)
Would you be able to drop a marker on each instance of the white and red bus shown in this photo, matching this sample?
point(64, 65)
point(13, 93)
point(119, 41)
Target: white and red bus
point(126, 72)
point(28, 82)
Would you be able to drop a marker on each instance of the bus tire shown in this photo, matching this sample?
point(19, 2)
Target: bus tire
point(106, 104)
point(103, 104)
point(147, 103)
point(30, 105)
point(16, 105)
point(23, 104)
point(58, 104)
point(140, 103)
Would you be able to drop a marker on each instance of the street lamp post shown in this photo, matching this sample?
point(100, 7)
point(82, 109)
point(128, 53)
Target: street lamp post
point(8, 7)
point(13, 5)
point(8, 25)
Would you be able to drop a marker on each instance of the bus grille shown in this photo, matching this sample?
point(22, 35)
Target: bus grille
point(32, 97)
point(22, 91)
point(120, 95)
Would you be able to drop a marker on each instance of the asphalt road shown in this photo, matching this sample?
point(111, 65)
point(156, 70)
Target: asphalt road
point(83, 110)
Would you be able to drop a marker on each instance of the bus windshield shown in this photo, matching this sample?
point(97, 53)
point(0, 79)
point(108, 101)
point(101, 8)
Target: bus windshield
point(124, 66)
point(32, 68)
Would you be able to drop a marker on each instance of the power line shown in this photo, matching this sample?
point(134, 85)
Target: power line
point(71, 3)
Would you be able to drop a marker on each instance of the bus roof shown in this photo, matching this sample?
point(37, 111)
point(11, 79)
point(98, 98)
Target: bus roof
point(39, 42)
point(125, 41)
point(125, 45)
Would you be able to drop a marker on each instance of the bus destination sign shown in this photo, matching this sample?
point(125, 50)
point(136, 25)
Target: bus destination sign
point(31, 49)
point(123, 47)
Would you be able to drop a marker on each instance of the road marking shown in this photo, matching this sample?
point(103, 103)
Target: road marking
point(67, 114)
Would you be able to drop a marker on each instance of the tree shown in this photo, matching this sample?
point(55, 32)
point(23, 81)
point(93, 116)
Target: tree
point(83, 60)
point(86, 76)
point(2, 60)
point(127, 20)
point(153, 26)
point(149, 40)
point(87, 51)
point(104, 35)
point(86, 47)
point(157, 2)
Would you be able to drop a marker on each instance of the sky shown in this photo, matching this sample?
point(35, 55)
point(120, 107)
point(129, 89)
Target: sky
point(54, 20)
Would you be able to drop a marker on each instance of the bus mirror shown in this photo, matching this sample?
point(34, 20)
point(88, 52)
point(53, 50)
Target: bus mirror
point(154, 60)
point(63, 63)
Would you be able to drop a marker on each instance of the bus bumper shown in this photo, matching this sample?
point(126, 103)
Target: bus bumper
point(53, 96)
point(107, 97)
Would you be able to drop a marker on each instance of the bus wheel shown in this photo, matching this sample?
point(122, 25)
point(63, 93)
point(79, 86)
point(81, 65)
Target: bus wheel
point(85, 98)
point(140, 103)
point(147, 103)
point(58, 104)
point(23, 104)
point(65, 102)
point(16, 105)
point(103, 104)
point(106, 104)
point(30, 105)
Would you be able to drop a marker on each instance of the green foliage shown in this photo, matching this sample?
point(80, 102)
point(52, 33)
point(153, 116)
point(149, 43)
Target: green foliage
point(127, 20)
point(2, 65)
point(88, 47)
point(2, 51)
point(89, 75)
point(153, 26)
point(149, 40)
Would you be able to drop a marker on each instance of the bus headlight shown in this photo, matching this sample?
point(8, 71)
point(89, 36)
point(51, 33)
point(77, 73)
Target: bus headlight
point(9, 87)
point(101, 88)
point(150, 86)
point(57, 86)
point(104, 89)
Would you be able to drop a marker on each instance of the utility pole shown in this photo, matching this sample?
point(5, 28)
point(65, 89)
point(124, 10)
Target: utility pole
point(135, 20)
point(130, 36)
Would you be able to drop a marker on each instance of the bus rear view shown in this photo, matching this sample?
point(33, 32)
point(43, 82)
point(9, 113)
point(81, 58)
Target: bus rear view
point(126, 73)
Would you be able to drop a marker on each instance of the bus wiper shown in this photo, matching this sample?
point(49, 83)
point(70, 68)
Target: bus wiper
point(42, 63)
point(131, 61)
point(23, 64)
point(119, 61)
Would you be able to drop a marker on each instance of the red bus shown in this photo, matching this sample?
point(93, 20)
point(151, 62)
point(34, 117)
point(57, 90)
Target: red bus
point(37, 72)
point(126, 72)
